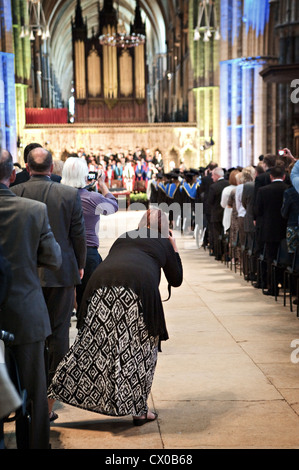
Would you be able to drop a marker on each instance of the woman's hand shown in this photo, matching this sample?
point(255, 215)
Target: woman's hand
point(101, 177)
point(287, 153)
point(101, 183)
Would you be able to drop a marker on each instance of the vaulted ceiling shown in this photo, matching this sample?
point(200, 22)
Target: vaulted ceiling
point(158, 15)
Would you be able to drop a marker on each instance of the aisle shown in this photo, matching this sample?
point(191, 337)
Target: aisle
point(225, 378)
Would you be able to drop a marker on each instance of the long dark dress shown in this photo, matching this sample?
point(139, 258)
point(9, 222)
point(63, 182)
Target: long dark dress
point(110, 367)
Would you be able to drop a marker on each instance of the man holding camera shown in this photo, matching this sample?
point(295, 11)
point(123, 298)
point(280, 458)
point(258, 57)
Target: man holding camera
point(94, 204)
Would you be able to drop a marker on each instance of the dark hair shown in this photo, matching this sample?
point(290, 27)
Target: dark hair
point(28, 149)
point(6, 165)
point(270, 160)
point(41, 164)
point(259, 169)
point(277, 171)
point(211, 166)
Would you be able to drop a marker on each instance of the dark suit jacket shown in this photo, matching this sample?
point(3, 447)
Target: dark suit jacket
point(214, 199)
point(67, 222)
point(268, 206)
point(203, 193)
point(247, 203)
point(24, 176)
point(263, 180)
point(27, 241)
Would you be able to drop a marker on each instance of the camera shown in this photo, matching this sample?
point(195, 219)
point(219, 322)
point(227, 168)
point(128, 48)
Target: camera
point(281, 152)
point(92, 175)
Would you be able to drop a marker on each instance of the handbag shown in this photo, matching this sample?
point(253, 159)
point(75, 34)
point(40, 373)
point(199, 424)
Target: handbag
point(292, 237)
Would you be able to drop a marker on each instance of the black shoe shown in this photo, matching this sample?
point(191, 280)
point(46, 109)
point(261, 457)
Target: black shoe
point(250, 277)
point(267, 292)
point(53, 416)
point(257, 285)
point(270, 292)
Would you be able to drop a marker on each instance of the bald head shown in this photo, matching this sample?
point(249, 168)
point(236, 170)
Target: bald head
point(7, 172)
point(40, 161)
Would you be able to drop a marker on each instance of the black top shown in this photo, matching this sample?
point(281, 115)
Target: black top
point(135, 261)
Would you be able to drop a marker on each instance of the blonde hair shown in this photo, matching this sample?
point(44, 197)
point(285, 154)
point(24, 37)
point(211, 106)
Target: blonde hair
point(74, 172)
point(239, 178)
point(248, 174)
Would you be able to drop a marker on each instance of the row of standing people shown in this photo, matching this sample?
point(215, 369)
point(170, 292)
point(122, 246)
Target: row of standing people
point(257, 208)
point(50, 238)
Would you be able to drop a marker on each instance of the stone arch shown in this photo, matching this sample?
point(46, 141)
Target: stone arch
point(173, 154)
point(190, 156)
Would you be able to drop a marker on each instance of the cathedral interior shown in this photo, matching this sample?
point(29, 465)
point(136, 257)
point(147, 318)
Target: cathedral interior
point(198, 80)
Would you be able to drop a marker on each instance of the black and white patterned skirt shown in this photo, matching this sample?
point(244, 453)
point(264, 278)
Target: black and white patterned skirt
point(110, 367)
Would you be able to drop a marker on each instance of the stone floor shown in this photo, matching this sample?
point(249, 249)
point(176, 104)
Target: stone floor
point(227, 377)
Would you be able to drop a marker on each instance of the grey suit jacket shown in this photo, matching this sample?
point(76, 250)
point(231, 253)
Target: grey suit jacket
point(27, 241)
point(67, 223)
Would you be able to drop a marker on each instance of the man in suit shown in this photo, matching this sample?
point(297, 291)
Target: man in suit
point(67, 222)
point(249, 227)
point(9, 398)
point(268, 208)
point(202, 197)
point(23, 175)
point(214, 199)
point(28, 242)
point(261, 180)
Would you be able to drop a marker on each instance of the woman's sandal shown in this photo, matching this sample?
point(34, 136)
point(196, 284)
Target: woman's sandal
point(53, 416)
point(142, 421)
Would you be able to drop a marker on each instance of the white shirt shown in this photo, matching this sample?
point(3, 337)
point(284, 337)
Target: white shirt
point(225, 195)
point(240, 208)
point(227, 213)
